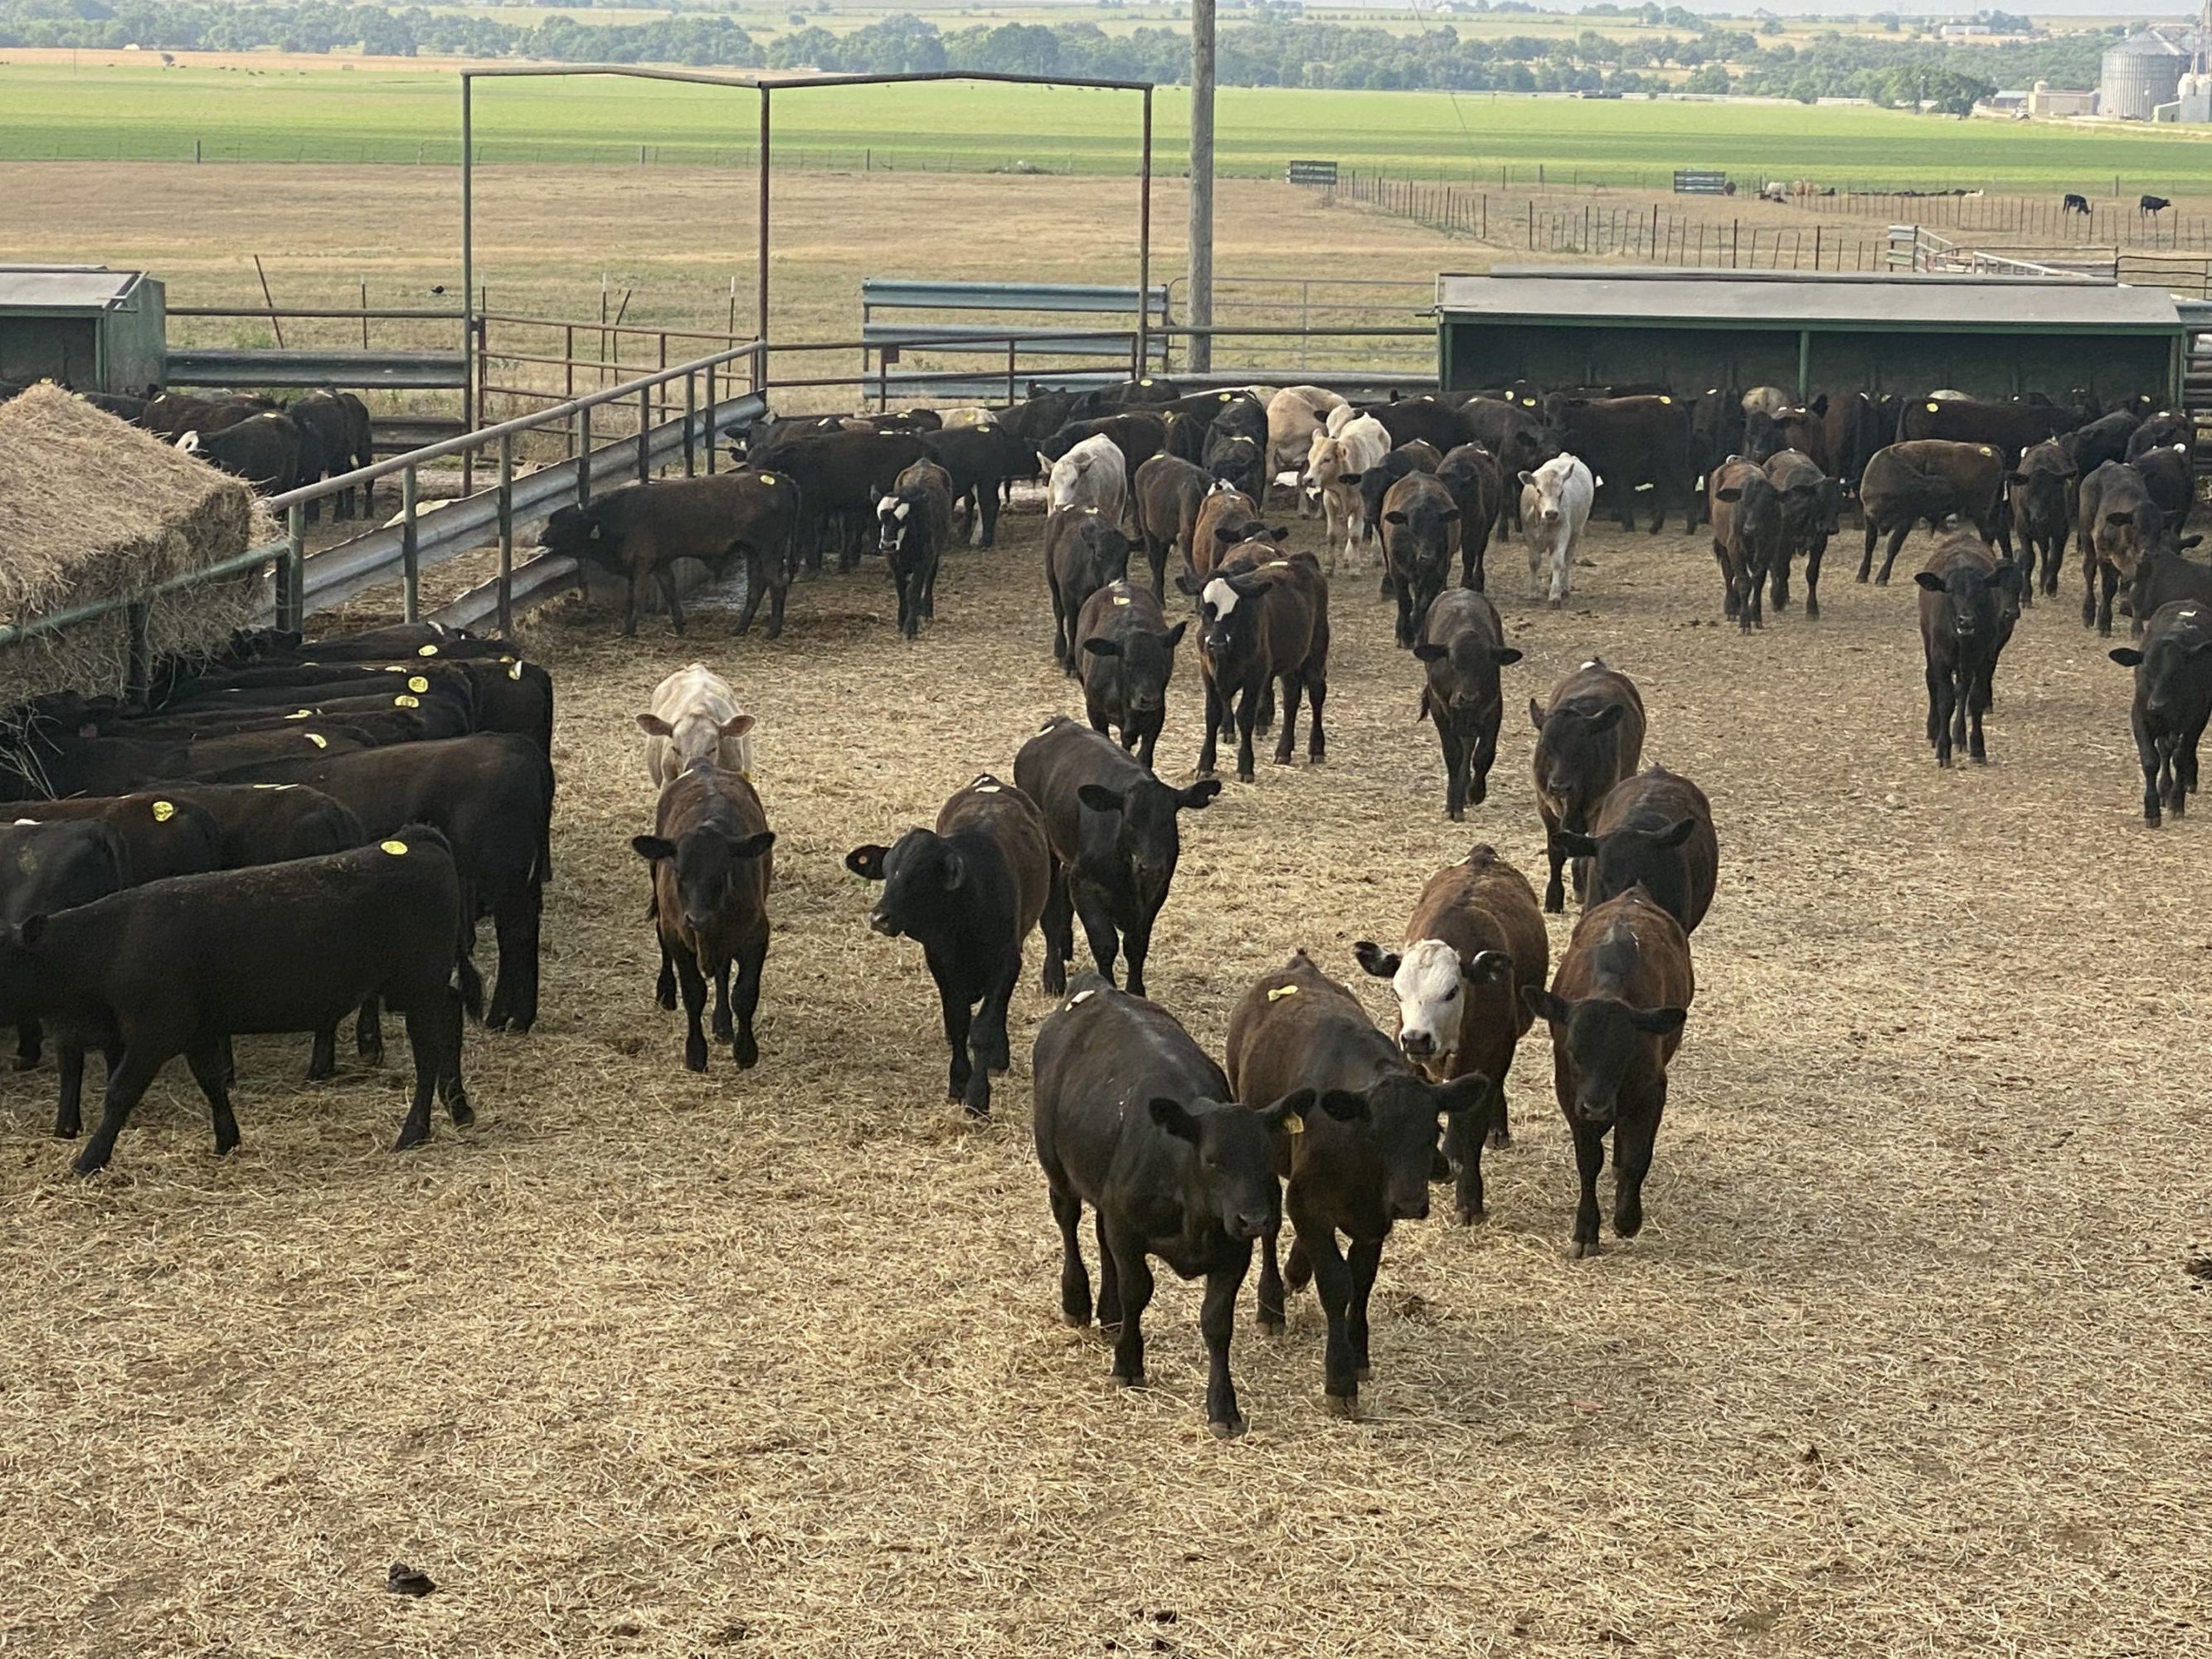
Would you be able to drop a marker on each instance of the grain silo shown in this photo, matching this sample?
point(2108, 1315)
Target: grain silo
point(2142, 72)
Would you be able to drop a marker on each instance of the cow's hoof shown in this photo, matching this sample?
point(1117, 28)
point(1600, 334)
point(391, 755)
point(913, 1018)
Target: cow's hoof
point(1273, 1327)
point(1879, 581)
point(1580, 1247)
point(1474, 1218)
point(25, 1064)
point(1340, 1404)
point(1076, 1322)
point(746, 1050)
point(1227, 1428)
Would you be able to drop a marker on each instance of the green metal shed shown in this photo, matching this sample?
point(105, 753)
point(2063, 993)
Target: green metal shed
point(88, 327)
point(1993, 337)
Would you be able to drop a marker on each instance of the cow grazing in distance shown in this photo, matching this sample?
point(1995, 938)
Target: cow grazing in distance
point(2153, 205)
point(1362, 1161)
point(712, 867)
point(1471, 473)
point(1460, 648)
point(1134, 1120)
point(2172, 700)
point(1084, 550)
point(1129, 657)
point(1653, 831)
point(179, 967)
point(2074, 203)
point(1555, 507)
point(1420, 537)
point(1588, 737)
point(1114, 845)
point(637, 534)
point(1092, 474)
point(1749, 538)
point(58, 865)
point(1931, 480)
point(1811, 501)
point(2119, 524)
point(1965, 590)
point(1256, 627)
point(1168, 494)
point(2039, 493)
point(1616, 1009)
point(694, 716)
point(969, 892)
point(1474, 940)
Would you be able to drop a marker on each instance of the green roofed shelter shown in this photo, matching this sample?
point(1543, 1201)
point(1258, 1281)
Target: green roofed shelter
point(1987, 336)
point(85, 326)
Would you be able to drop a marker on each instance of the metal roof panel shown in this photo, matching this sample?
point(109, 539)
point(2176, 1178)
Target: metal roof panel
point(62, 287)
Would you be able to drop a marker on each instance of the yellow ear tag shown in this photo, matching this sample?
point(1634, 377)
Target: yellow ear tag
point(417, 683)
point(427, 651)
point(163, 812)
point(405, 701)
point(1282, 991)
point(1986, 450)
point(318, 739)
point(1121, 598)
point(300, 714)
point(515, 673)
point(397, 848)
point(767, 478)
point(1082, 997)
point(1529, 403)
point(1665, 399)
point(1935, 409)
point(1293, 1124)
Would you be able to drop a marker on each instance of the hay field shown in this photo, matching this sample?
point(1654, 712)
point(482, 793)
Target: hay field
point(1909, 1360)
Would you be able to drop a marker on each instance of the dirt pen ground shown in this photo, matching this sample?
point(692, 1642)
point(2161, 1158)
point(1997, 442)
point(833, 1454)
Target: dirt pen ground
point(1909, 1360)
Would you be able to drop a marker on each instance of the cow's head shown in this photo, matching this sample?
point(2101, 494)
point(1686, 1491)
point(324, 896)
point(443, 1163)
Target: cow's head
point(708, 862)
point(1430, 981)
point(1148, 843)
point(1630, 857)
point(1605, 1042)
point(893, 513)
point(2175, 663)
point(1574, 746)
point(1471, 698)
point(925, 884)
point(1143, 660)
point(1395, 1119)
point(1977, 598)
point(1229, 1176)
point(576, 533)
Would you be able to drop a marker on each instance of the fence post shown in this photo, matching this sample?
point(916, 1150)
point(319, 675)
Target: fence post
point(291, 583)
point(644, 426)
point(410, 573)
point(691, 425)
point(1011, 350)
point(584, 456)
point(568, 374)
point(713, 433)
point(506, 534)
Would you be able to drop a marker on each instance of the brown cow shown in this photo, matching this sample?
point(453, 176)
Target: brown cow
point(1358, 1165)
point(2119, 524)
point(1256, 627)
point(1226, 519)
point(711, 871)
point(1462, 646)
point(1588, 737)
point(1654, 830)
point(1474, 940)
point(1167, 494)
point(1932, 479)
point(1616, 1011)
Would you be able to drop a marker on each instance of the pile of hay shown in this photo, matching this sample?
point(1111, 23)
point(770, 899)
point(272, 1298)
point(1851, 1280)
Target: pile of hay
point(92, 508)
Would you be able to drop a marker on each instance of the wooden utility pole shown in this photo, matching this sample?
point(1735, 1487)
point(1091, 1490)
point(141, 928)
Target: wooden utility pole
point(1200, 301)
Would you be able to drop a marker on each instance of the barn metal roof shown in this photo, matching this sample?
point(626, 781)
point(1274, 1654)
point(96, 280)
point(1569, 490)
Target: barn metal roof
point(64, 288)
point(1634, 296)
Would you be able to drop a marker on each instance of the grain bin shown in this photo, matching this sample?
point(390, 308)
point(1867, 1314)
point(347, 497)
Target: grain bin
point(2142, 72)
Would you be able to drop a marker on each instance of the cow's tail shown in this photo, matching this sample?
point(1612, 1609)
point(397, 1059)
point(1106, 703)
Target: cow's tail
point(466, 978)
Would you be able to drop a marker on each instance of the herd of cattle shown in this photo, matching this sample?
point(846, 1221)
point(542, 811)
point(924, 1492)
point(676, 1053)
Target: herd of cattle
point(295, 833)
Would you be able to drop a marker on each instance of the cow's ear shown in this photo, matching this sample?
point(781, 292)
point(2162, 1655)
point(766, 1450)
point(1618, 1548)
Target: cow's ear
point(955, 872)
point(1528, 478)
point(1543, 1004)
point(753, 847)
point(1658, 1022)
point(1394, 518)
point(1200, 795)
point(1428, 651)
point(1676, 833)
point(2116, 519)
point(2127, 656)
point(653, 727)
point(1929, 579)
point(1225, 534)
point(652, 848)
point(1098, 647)
point(1280, 535)
point(1351, 479)
point(1535, 714)
point(867, 862)
point(1343, 1105)
point(1448, 514)
point(33, 928)
point(1099, 799)
point(1573, 844)
point(736, 726)
point(1374, 959)
point(1730, 494)
point(1819, 405)
point(2189, 541)
point(1174, 1117)
point(1504, 655)
point(1288, 1113)
point(1174, 636)
point(1461, 1094)
point(1608, 717)
point(1486, 967)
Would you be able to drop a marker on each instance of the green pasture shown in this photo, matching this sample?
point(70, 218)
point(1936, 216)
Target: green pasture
point(48, 112)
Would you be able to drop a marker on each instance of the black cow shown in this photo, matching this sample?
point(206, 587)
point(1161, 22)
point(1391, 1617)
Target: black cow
point(1633, 443)
point(1421, 528)
point(1257, 626)
point(2169, 472)
point(58, 865)
point(179, 966)
point(2119, 523)
point(2174, 697)
point(262, 449)
point(1857, 425)
point(1965, 588)
point(2074, 203)
point(980, 461)
point(637, 534)
point(1427, 419)
point(1129, 656)
point(1133, 1119)
point(1654, 830)
point(1114, 844)
point(1717, 427)
point(2089, 447)
point(1238, 458)
point(2160, 431)
point(1811, 502)
point(2153, 205)
point(2009, 427)
point(1139, 435)
point(968, 892)
point(1750, 538)
point(712, 856)
point(1589, 739)
point(911, 519)
point(2164, 576)
point(1463, 647)
point(1378, 480)
point(841, 476)
point(1360, 1164)
point(2041, 489)
point(1083, 552)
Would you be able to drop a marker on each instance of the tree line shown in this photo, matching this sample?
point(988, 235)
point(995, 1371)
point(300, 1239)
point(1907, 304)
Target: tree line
point(1283, 52)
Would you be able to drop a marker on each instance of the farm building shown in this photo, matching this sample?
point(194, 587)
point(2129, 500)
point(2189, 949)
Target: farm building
point(1988, 336)
point(86, 326)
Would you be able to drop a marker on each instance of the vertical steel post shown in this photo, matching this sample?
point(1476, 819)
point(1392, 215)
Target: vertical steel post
point(691, 425)
point(584, 456)
point(472, 396)
point(1200, 301)
point(644, 426)
point(1145, 244)
point(569, 369)
point(506, 534)
point(410, 571)
point(760, 326)
point(291, 581)
point(713, 432)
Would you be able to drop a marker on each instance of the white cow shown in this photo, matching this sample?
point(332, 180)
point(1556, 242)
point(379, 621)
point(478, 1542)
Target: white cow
point(1092, 474)
point(1555, 504)
point(1765, 400)
point(1332, 469)
point(695, 714)
point(1294, 415)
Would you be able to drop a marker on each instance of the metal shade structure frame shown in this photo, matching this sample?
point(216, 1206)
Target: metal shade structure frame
point(766, 88)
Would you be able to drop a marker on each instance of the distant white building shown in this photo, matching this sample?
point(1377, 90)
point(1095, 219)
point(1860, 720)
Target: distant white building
point(1962, 31)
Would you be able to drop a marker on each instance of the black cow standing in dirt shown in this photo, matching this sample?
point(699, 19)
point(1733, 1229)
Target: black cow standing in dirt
point(1114, 844)
point(1129, 657)
point(913, 520)
point(1965, 590)
point(1633, 444)
point(969, 892)
point(1134, 1119)
point(1083, 552)
point(1653, 831)
point(979, 461)
point(1471, 473)
point(177, 967)
point(1421, 527)
point(712, 867)
point(637, 534)
point(49, 867)
point(2173, 700)
point(1588, 738)
point(1462, 648)
point(2039, 493)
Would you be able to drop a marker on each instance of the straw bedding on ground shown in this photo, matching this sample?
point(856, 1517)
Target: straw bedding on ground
point(1909, 1359)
